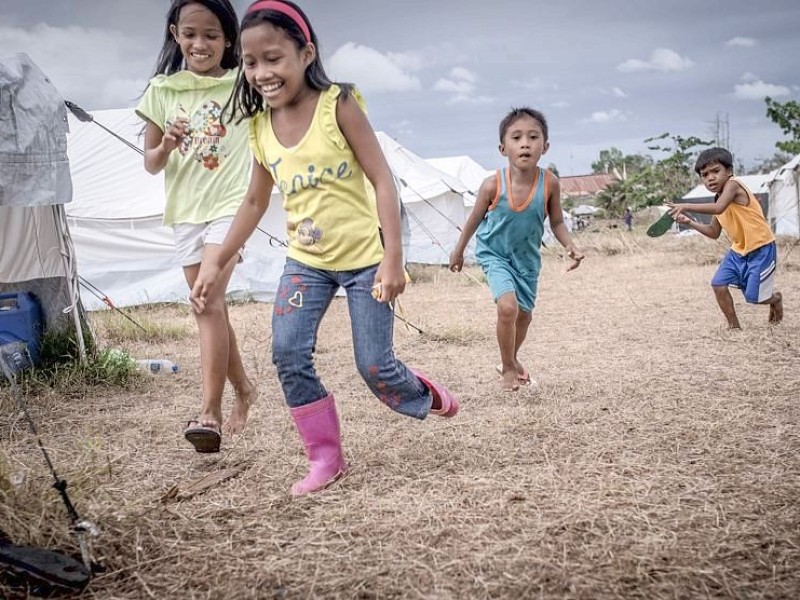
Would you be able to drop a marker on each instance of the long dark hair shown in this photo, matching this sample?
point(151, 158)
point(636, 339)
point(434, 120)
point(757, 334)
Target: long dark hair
point(245, 99)
point(170, 59)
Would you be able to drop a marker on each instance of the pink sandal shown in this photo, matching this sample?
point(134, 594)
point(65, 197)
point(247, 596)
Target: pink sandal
point(448, 404)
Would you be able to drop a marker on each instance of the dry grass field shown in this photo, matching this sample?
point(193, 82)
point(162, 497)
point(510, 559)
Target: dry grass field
point(658, 457)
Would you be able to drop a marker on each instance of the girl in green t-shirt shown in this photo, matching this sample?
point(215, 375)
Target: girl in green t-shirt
point(206, 166)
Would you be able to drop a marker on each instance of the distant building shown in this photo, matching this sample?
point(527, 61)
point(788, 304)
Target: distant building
point(582, 189)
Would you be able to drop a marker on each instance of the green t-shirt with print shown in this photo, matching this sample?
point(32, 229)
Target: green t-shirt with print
point(207, 175)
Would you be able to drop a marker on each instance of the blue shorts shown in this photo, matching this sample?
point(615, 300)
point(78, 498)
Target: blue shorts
point(502, 279)
point(753, 273)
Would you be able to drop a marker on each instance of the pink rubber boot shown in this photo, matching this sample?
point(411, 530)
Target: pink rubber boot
point(318, 426)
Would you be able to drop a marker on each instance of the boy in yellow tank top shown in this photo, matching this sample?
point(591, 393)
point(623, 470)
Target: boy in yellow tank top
point(750, 263)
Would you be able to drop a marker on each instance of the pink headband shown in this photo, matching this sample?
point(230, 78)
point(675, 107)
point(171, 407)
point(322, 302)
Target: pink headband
point(284, 9)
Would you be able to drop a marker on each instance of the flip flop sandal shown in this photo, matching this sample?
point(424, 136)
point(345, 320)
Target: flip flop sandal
point(523, 378)
point(46, 570)
point(204, 438)
point(662, 226)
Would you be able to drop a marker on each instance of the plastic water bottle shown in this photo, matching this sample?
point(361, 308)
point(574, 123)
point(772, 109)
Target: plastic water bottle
point(157, 365)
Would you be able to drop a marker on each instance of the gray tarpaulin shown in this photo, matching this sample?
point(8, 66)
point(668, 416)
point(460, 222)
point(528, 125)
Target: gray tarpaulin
point(34, 169)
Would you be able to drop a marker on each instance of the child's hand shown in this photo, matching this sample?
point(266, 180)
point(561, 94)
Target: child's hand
point(175, 133)
point(390, 281)
point(456, 261)
point(674, 209)
point(206, 279)
point(681, 218)
point(577, 256)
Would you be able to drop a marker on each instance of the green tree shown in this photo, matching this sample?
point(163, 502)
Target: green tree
point(657, 181)
point(787, 117)
point(614, 198)
point(614, 161)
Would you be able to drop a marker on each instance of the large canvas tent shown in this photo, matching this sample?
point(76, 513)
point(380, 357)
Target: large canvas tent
point(784, 205)
point(464, 168)
point(126, 256)
point(37, 254)
point(124, 252)
point(433, 202)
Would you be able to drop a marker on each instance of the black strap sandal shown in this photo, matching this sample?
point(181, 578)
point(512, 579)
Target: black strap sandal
point(46, 571)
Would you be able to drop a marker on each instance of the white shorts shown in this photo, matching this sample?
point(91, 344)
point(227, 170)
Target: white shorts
point(191, 238)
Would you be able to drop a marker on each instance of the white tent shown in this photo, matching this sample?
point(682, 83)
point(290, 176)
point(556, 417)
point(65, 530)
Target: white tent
point(465, 169)
point(758, 184)
point(124, 252)
point(584, 210)
point(37, 255)
point(433, 203)
point(784, 205)
point(473, 175)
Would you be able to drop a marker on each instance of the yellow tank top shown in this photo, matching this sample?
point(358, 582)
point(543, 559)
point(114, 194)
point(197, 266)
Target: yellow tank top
point(745, 225)
point(332, 218)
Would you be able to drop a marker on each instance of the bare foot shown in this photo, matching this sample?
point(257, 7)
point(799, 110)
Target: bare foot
point(776, 309)
point(509, 382)
point(244, 397)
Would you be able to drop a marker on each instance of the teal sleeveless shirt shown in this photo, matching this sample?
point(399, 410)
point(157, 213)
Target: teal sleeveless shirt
point(511, 232)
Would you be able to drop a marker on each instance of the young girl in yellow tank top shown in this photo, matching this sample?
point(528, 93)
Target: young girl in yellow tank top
point(311, 139)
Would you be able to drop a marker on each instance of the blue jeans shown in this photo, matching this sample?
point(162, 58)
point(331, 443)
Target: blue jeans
point(304, 295)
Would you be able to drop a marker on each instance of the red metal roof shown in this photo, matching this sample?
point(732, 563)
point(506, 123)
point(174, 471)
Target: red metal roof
point(586, 185)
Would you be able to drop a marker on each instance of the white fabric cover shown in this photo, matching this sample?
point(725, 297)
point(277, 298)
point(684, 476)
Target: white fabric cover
point(784, 205)
point(433, 202)
point(126, 253)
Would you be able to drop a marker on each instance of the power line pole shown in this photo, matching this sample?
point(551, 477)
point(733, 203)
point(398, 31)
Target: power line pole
point(722, 130)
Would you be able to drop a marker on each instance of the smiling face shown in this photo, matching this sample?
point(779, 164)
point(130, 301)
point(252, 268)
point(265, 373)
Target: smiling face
point(714, 176)
point(274, 65)
point(201, 39)
point(524, 143)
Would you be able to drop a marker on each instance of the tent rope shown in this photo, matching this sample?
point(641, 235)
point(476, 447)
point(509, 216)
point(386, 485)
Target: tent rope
point(85, 117)
point(273, 241)
point(429, 203)
point(67, 250)
point(438, 243)
point(103, 297)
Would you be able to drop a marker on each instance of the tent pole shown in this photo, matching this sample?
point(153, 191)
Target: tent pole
point(67, 254)
point(797, 196)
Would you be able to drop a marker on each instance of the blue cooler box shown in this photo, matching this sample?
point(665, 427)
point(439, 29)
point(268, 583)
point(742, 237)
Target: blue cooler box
point(20, 329)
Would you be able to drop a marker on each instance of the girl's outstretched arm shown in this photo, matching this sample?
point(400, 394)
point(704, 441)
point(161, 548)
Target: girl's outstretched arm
point(486, 194)
point(255, 204)
point(557, 224)
point(360, 136)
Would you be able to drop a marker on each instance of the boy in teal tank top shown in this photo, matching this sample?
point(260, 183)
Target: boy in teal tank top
point(509, 216)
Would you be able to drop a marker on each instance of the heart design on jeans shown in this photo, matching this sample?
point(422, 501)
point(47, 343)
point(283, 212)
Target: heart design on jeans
point(296, 300)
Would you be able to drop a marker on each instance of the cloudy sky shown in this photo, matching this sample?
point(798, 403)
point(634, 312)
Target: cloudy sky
point(439, 75)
